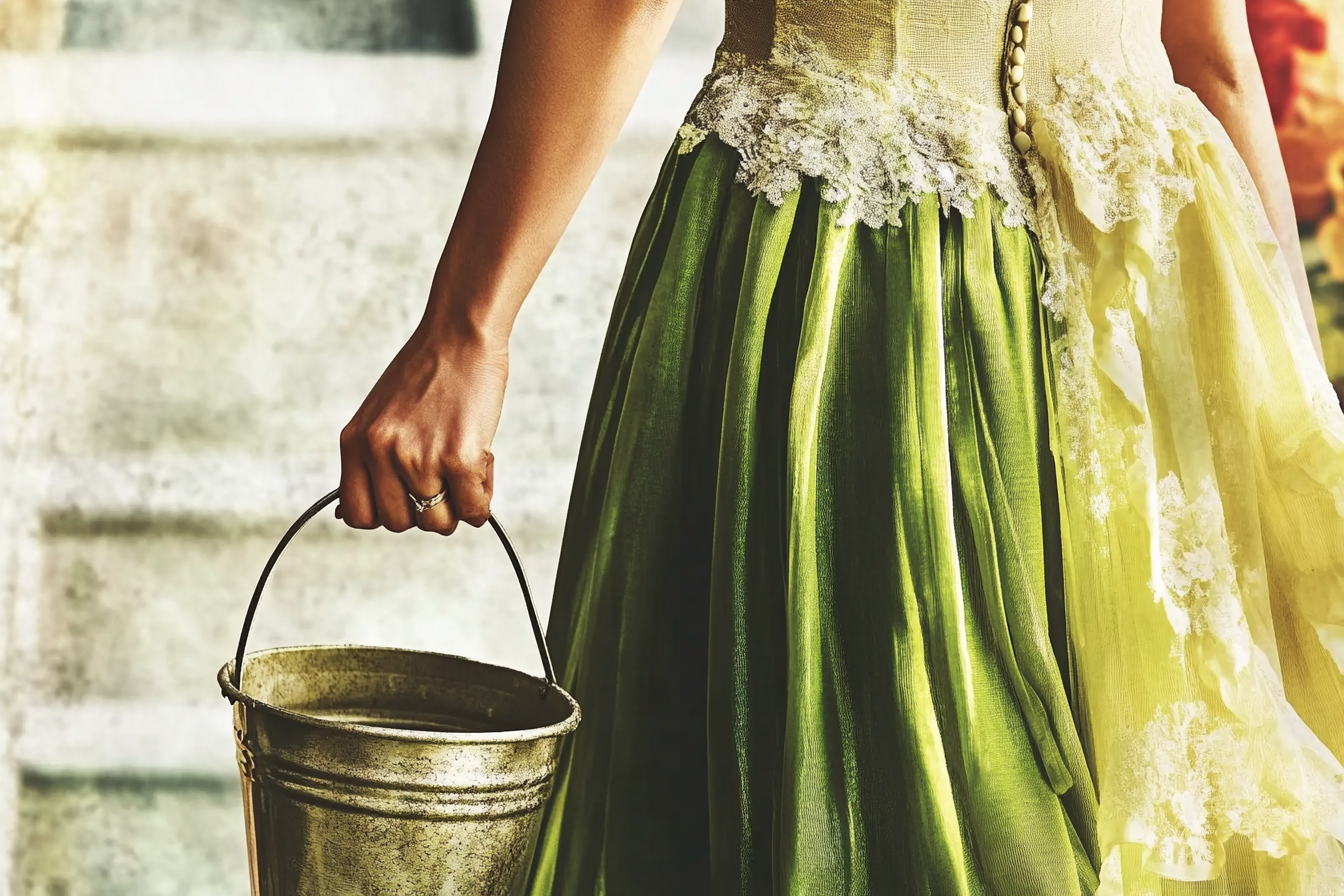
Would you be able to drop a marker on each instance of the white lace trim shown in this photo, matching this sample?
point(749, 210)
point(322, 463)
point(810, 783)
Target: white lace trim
point(1110, 142)
point(875, 146)
point(1198, 578)
point(1193, 780)
point(1114, 140)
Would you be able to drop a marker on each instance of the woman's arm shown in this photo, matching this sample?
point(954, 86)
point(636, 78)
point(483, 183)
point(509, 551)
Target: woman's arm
point(569, 73)
point(1209, 43)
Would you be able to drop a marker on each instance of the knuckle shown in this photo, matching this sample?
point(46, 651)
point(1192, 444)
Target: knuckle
point(464, 464)
point(381, 437)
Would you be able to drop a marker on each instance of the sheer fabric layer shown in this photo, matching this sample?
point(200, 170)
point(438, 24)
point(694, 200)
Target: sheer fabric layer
point(1201, 448)
point(1202, 475)
point(811, 565)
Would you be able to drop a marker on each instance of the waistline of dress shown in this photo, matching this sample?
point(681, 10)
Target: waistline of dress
point(877, 144)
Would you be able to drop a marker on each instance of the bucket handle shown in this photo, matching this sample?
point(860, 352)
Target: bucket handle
point(237, 675)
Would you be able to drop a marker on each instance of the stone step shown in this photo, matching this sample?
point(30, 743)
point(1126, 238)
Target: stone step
point(117, 835)
point(235, 96)
point(127, 738)
point(147, 608)
point(209, 258)
point(243, 299)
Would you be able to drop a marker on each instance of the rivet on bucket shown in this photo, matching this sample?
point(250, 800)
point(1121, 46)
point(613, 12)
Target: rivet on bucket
point(376, 771)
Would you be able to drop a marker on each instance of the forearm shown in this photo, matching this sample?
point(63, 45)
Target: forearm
point(1228, 83)
point(569, 73)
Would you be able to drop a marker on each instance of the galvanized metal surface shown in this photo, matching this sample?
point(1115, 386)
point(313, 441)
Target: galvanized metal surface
point(371, 771)
point(375, 771)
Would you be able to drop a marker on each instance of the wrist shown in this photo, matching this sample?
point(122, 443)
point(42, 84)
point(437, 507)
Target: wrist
point(468, 300)
point(463, 310)
point(450, 320)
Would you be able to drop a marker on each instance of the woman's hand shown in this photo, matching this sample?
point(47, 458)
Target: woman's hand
point(568, 75)
point(426, 427)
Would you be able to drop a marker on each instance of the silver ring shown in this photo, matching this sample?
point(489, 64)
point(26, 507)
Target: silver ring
point(422, 505)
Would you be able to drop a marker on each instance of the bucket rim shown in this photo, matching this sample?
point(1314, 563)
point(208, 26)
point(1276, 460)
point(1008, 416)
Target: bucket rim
point(521, 735)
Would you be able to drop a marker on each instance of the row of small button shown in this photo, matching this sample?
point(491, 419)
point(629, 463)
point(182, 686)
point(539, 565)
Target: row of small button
point(1014, 58)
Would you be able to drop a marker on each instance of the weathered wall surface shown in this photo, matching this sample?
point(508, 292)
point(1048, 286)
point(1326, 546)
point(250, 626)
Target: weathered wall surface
point(206, 258)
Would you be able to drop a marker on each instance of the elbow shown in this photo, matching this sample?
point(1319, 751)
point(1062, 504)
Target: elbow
point(635, 9)
point(1224, 63)
point(600, 13)
point(1228, 74)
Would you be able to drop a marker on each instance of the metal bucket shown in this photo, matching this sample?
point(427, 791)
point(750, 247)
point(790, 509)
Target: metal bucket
point(369, 771)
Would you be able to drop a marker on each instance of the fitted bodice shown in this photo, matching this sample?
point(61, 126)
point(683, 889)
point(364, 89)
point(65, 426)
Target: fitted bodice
point(959, 44)
point(886, 101)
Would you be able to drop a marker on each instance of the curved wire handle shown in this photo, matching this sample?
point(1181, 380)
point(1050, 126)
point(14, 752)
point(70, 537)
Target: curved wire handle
point(313, 511)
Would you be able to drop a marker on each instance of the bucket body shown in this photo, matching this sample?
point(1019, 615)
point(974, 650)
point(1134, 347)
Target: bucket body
point(374, 771)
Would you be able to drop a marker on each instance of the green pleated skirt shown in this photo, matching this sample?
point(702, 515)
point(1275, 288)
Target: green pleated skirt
point(810, 590)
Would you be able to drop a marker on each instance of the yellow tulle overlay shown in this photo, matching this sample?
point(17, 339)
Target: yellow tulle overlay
point(1200, 454)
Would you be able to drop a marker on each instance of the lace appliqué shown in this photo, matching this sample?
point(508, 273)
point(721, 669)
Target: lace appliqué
point(1114, 140)
point(1198, 579)
point(1199, 772)
point(1193, 781)
point(1219, 751)
point(875, 146)
point(1109, 145)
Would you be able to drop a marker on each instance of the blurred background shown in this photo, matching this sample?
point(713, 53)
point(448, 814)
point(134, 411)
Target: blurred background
point(218, 221)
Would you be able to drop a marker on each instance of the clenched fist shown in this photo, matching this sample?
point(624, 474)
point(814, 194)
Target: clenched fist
point(426, 429)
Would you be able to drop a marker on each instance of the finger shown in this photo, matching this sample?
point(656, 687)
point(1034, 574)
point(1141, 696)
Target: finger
point(439, 518)
point(395, 512)
point(390, 496)
point(356, 507)
point(471, 487)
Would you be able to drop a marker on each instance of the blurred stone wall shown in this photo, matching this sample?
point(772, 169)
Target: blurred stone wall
point(212, 238)
point(207, 255)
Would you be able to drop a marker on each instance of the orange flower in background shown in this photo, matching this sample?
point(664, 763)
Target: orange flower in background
point(1279, 30)
point(1301, 54)
point(1289, 39)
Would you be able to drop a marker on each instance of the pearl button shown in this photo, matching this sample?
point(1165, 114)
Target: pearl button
point(1014, 62)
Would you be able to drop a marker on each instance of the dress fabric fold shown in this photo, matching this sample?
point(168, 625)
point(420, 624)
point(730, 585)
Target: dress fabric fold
point(1201, 461)
point(954, 514)
point(811, 570)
